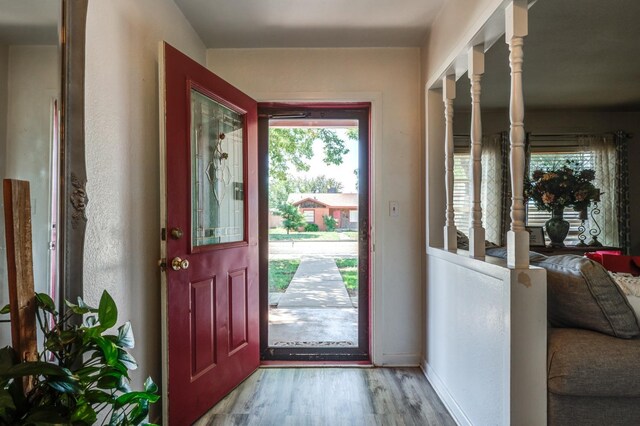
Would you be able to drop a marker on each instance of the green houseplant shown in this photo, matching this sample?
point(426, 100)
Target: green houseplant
point(89, 383)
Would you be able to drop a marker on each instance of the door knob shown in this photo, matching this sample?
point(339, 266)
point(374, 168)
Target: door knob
point(178, 264)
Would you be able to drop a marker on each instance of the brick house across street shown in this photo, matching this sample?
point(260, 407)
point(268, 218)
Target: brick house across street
point(343, 207)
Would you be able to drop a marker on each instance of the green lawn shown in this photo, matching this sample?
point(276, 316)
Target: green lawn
point(280, 234)
point(280, 274)
point(349, 270)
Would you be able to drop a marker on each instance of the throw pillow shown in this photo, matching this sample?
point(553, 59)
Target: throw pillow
point(582, 294)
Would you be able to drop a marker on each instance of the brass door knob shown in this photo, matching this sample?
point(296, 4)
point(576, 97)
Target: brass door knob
point(178, 264)
point(176, 233)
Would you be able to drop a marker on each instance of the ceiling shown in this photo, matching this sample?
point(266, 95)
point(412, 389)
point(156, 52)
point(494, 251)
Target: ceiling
point(29, 21)
point(307, 23)
point(581, 54)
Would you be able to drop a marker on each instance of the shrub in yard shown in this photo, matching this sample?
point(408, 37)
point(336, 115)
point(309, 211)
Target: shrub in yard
point(311, 227)
point(292, 218)
point(330, 222)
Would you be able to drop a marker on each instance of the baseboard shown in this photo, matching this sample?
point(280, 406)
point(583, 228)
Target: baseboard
point(399, 360)
point(445, 396)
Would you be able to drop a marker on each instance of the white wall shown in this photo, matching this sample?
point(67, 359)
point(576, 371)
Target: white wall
point(486, 344)
point(123, 240)
point(30, 80)
point(390, 77)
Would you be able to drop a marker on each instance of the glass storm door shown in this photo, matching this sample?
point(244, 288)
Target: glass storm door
point(210, 237)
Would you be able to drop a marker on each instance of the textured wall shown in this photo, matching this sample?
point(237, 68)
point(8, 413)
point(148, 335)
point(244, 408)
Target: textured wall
point(123, 239)
point(392, 77)
point(30, 80)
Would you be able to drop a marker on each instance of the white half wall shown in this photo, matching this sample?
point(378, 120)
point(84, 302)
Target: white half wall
point(389, 77)
point(121, 105)
point(487, 339)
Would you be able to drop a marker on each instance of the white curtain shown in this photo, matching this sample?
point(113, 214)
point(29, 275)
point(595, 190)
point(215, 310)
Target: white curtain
point(604, 151)
point(491, 189)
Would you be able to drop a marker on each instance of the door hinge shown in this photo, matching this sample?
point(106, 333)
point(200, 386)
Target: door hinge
point(162, 263)
point(164, 234)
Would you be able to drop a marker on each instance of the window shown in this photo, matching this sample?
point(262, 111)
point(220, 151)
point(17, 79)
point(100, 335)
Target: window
point(461, 190)
point(309, 216)
point(353, 216)
point(547, 160)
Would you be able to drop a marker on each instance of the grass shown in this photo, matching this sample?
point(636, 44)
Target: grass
point(280, 274)
point(348, 268)
point(280, 234)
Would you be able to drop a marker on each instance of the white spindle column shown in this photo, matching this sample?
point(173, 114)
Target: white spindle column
point(517, 237)
point(448, 95)
point(476, 231)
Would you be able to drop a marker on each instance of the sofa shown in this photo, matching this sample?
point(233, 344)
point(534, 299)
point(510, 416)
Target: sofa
point(593, 357)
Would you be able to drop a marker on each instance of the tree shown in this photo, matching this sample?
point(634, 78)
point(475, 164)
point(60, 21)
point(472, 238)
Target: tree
point(292, 218)
point(279, 190)
point(293, 146)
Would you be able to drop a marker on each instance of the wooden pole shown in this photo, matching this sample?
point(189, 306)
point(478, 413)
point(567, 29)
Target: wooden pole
point(17, 214)
point(476, 231)
point(448, 95)
point(517, 238)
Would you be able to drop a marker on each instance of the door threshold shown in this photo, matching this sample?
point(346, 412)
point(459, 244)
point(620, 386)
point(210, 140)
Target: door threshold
point(315, 364)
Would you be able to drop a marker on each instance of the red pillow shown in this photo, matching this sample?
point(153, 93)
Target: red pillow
point(614, 261)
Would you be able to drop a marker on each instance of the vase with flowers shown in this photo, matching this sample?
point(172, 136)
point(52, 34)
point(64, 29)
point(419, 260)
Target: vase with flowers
point(557, 188)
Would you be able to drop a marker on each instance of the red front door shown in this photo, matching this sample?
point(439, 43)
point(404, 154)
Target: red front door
point(210, 236)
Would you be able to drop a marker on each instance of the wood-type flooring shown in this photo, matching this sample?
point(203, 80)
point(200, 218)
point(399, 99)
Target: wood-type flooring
point(331, 396)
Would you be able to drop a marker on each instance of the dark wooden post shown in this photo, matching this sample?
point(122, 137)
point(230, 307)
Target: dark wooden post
point(17, 214)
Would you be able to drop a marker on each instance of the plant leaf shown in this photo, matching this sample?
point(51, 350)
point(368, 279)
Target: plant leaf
point(150, 386)
point(90, 321)
point(125, 336)
point(48, 416)
point(123, 385)
point(98, 396)
point(46, 303)
point(108, 348)
point(116, 418)
point(127, 359)
point(35, 368)
point(84, 413)
point(5, 309)
point(139, 413)
point(107, 311)
point(6, 400)
point(63, 386)
point(131, 397)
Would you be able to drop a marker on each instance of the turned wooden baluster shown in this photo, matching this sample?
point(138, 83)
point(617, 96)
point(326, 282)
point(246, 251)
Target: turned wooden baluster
point(476, 231)
point(517, 237)
point(448, 95)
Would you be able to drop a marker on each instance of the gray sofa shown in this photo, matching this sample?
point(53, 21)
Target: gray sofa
point(593, 358)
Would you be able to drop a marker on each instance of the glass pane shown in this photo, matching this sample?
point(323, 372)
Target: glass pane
point(217, 172)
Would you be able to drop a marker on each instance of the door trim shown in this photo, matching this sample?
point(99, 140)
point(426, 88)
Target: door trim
point(361, 111)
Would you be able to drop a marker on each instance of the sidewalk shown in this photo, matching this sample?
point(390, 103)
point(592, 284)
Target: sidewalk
point(316, 284)
point(316, 309)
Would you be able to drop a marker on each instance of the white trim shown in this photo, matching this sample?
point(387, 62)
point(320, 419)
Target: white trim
point(164, 315)
point(376, 314)
point(401, 360)
point(445, 396)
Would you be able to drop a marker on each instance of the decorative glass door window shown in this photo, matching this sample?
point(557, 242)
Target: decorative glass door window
point(217, 176)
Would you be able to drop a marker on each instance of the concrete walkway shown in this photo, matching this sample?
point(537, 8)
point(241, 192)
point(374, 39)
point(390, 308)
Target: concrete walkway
point(316, 284)
point(316, 309)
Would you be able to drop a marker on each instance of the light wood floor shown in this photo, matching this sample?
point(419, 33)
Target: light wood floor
point(331, 396)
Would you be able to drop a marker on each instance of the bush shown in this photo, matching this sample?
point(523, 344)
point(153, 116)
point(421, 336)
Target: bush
point(330, 222)
point(311, 227)
point(292, 218)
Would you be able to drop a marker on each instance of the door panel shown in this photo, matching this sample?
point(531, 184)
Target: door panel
point(210, 221)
